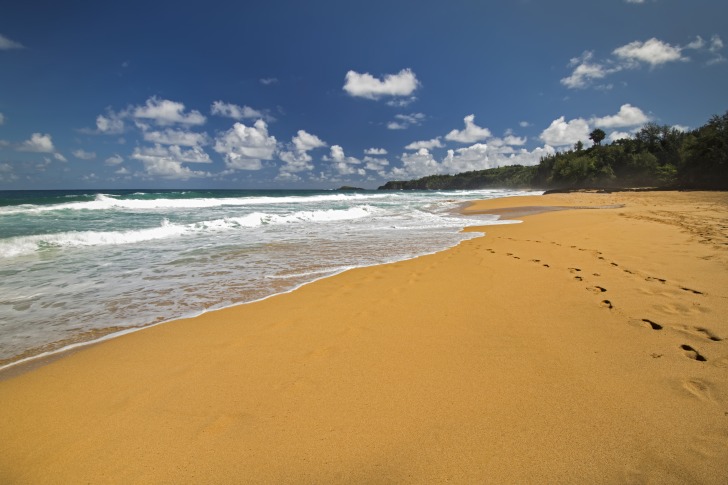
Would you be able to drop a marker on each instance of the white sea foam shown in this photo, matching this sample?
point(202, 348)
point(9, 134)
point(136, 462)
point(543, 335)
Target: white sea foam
point(21, 245)
point(107, 202)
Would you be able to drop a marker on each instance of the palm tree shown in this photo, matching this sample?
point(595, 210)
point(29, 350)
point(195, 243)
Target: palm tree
point(597, 136)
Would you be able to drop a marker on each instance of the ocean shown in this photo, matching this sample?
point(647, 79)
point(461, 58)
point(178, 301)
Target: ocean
point(77, 266)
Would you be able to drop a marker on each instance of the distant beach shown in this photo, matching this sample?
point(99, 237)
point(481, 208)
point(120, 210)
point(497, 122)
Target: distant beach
point(584, 345)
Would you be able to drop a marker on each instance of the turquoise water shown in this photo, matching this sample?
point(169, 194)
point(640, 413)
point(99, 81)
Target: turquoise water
point(77, 264)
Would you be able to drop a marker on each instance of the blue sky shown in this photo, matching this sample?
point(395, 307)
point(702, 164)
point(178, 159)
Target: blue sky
point(316, 94)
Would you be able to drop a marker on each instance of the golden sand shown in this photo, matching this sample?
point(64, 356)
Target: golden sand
point(581, 346)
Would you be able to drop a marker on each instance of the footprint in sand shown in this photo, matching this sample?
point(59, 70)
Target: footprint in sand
point(596, 289)
point(692, 353)
point(699, 332)
point(578, 278)
point(699, 389)
point(607, 304)
point(695, 292)
point(661, 280)
point(574, 270)
point(652, 325)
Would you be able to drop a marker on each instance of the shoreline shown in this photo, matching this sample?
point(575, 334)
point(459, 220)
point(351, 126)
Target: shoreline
point(26, 364)
point(563, 349)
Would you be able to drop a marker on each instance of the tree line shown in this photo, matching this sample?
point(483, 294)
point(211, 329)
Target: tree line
point(655, 156)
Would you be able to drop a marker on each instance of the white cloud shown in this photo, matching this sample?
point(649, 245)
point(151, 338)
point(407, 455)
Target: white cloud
point(628, 115)
point(634, 1)
point(114, 160)
point(267, 81)
point(716, 45)
point(165, 112)
point(515, 140)
point(561, 132)
point(111, 124)
point(474, 157)
point(395, 125)
point(618, 135)
point(375, 164)
point(375, 151)
point(59, 157)
point(38, 143)
point(174, 152)
point(244, 147)
point(653, 52)
point(682, 128)
point(417, 164)
point(367, 86)
point(524, 124)
point(167, 162)
point(83, 154)
point(342, 164)
point(586, 71)
point(304, 141)
point(297, 158)
point(428, 144)
point(401, 102)
point(170, 136)
point(236, 112)
point(405, 121)
point(7, 44)
point(471, 134)
point(122, 171)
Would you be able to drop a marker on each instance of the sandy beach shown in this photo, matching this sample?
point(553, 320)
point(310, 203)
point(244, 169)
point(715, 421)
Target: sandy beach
point(587, 344)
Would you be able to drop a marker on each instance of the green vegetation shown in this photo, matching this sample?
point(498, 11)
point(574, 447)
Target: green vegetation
point(656, 156)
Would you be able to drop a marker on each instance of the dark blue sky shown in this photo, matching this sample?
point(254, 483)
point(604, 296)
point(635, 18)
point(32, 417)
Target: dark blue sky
point(322, 93)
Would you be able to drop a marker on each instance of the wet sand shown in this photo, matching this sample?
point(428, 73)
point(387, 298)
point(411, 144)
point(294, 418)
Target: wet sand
point(580, 346)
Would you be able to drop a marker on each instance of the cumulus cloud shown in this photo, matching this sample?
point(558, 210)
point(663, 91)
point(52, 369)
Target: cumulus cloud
point(38, 143)
point(586, 71)
point(376, 164)
point(428, 144)
point(304, 141)
point(236, 112)
point(7, 44)
point(375, 151)
point(474, 157)
point(417, 164)
point(618, 135)
point(716, 45)
point(653, 52)
point(405, 121)
point(297, 158)
point(628, 115)
point(244, 147)
point(83, 154)
point(171, 136)
point(365, 85)
point(113, 160)
point(165, 112)
point(342, 164)
point(561, 132)
point(110, 124)
point(471, 134)
point(167, 162)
